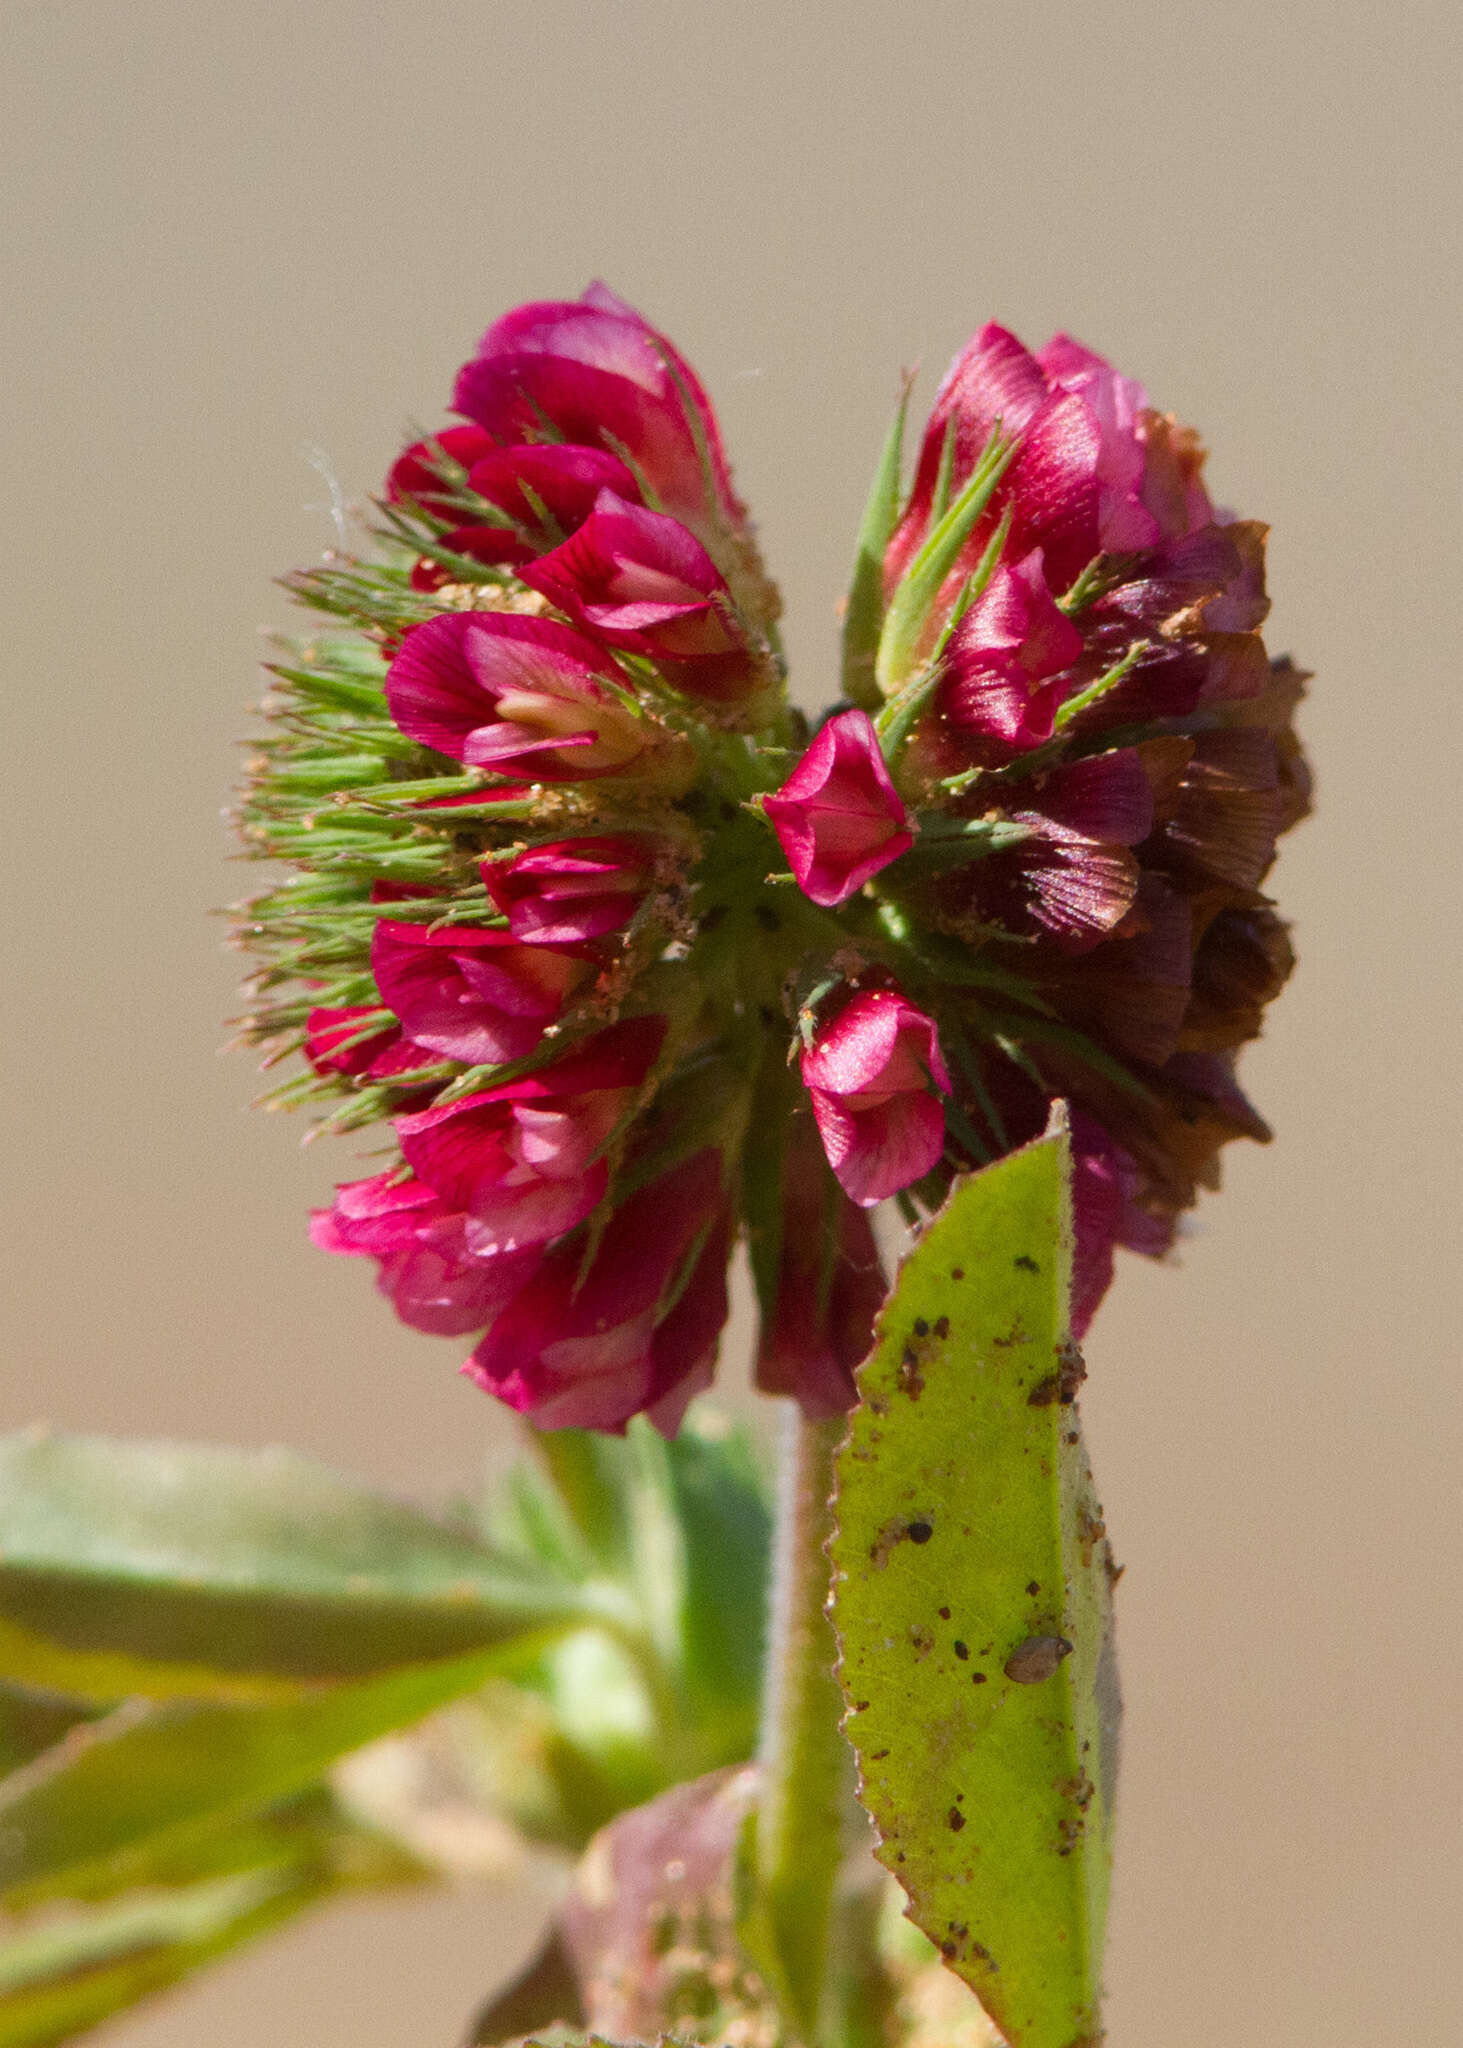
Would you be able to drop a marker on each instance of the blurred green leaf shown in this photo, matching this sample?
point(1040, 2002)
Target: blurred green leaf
point(65, 1975)
point(33, 1721)
point(118, 1802)
point(684, 1530)
point(178, 1570)
point(972, 1604)
point(716, 1507)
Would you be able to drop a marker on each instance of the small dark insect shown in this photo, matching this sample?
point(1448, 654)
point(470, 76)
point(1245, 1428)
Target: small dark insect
point(1036, 1659)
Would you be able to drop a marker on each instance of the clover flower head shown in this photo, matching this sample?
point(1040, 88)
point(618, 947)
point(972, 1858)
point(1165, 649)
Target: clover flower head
point(631, 962)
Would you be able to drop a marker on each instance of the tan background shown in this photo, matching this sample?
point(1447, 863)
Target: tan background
point(241, 233)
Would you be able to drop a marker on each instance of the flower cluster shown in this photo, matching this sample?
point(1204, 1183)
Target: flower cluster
point(632, 966)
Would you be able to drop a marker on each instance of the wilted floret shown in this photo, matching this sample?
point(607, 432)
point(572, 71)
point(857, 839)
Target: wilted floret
point(629, 961)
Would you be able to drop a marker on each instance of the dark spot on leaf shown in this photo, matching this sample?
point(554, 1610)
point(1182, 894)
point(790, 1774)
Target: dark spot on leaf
point(921, 1327)
point(957, 1272)
point(923, 1641)
point(911, 1379)
point(1045, 1392)
point(955, 1820)
point(962, 1651)
point(861, 1706)
point(1036, 1659)
point(919, 1532)
point(878, 1756)
point(1033, 1587)
point(977, 1678)
point(944, 1614)
point(1025, 1264)
point(942, 1326)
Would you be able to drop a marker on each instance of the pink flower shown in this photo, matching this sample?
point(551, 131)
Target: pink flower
point(569, 890)
point(595, 373)
point(869, 1074)
point(417, 473)
point(635, 1334)
point(525, 1160)
point(434, 1270)
point(838, 817)
point(640, 580)
point(830, 1285)
point(476, 996)
point(522, 695)
point(1075, 485)
point(995, 695)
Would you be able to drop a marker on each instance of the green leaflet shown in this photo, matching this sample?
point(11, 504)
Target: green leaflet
point(177, 1570)
point(972, 1605)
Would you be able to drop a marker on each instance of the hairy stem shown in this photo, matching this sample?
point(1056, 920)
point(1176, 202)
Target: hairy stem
point(806, 1764)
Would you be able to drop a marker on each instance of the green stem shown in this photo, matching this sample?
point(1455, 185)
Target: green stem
point(806, 1764)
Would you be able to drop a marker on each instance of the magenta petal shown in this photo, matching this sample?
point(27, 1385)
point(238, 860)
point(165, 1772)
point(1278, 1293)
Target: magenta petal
point(591, 1350)
point(334, 1042)
point(416, 473)
point(569, 890)
point(883, 1149)
point(1118, 404)
point(868, 1075)
point(838, 817)
point(640, 580)
point(599, 375)
point(1013, 636)
point(1103, 796)
point(473, 996)
point(498, 689)
point(559, 477)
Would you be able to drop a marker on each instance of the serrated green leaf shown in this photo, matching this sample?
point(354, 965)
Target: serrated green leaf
point(972, 1604)
point(120, 1801)
point(176, 1570)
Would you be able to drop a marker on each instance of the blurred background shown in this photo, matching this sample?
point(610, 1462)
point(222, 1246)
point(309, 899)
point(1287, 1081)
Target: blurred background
point(246, 247)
